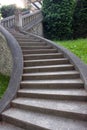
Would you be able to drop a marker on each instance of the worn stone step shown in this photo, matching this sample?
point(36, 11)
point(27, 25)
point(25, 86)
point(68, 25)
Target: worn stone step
point(31, 120)
point(28, 63)
point(51, 75)
point(57, 94)
point(35, 47)
point(68, 83)
point(22, 36)
point(65, 108)
point(42, 56)
point(32, 44)
point(39, 51)
point(6, 126)
point(29, 40)
point(49, 68)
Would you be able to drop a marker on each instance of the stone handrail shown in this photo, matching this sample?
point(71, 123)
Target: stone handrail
point(17, 70)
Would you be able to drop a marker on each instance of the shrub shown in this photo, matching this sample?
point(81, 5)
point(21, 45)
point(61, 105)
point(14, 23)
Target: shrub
point(80, 19)
point(58, 16)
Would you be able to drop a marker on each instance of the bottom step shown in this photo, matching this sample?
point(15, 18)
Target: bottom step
point(30, 120)
point(5, 126)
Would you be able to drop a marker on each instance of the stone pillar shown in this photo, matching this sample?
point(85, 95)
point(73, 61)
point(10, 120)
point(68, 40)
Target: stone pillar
point(18, 19)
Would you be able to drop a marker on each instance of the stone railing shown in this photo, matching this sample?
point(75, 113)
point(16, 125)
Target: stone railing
point(27, 20)
point(17, 68)
point(30, 19)
point(8, 22)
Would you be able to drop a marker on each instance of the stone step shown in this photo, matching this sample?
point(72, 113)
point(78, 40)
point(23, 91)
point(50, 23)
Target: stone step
point(65, 108)
point(51, 75)
point(20, 37)
point(34, 40)
point(28, 63)
point(6, 126)
point(50, 68)
point(35, 47)
point(57, 94)
point(31, 120)
point(42, 56)
point(68, 83)
point(32, 44)
point(39, 51)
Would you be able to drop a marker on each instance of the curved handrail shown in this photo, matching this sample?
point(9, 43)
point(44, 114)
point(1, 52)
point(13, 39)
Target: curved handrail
point(17, 70)
point(79, 65)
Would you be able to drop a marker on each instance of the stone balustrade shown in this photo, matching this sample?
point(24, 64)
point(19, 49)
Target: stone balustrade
point(8, 22)
point(31, 22)
point(28, 19)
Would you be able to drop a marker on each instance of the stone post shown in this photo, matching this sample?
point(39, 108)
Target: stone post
point(18, 19)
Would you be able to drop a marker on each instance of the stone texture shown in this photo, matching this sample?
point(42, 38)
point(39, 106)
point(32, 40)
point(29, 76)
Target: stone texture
point(6, 62)
point(38, 29)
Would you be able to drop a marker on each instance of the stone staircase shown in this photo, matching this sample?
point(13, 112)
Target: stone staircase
point(51, 94)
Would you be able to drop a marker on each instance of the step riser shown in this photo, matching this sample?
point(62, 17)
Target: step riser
point(60, 113)
point(32, 44)
point(35, 47)
point(21, 124)
point(52, 96)
point(43, 57)
point(25, 38)
point(30, 40)
point(43, 63)
point(39, 51)
point(35, 70)
point(51, 86)
point(41, 77)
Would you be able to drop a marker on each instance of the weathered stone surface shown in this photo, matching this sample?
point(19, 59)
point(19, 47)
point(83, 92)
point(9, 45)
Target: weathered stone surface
point(38, 29)
point(5, 57)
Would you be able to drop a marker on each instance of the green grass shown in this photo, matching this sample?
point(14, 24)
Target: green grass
point(4, 80)
point(78, 47)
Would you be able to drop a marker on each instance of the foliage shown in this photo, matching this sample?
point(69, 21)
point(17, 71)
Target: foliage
point(58, 16)
point(78, 47)
point(3, 84)
point(8, 10)
point(80, 19)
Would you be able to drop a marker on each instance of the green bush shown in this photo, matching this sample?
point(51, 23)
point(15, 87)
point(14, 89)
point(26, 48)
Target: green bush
point(7, 10)
point(80, 19)
point(58, 16)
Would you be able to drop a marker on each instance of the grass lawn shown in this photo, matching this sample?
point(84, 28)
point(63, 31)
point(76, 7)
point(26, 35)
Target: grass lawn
point(78, 47)
point(4, 80)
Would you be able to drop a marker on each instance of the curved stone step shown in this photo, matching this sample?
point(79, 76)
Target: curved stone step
point(32, 44)
point(35, 47)
point(49, 68)
point(29, 63)
point(65, 108)
point(58, 94)
point(42, 56)
point(39, 51)
point(69, 83)
point(31, 120)
point(51, 75)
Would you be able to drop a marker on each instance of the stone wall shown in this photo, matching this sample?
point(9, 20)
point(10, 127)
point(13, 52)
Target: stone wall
point(6, 62)
point(37, 29)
